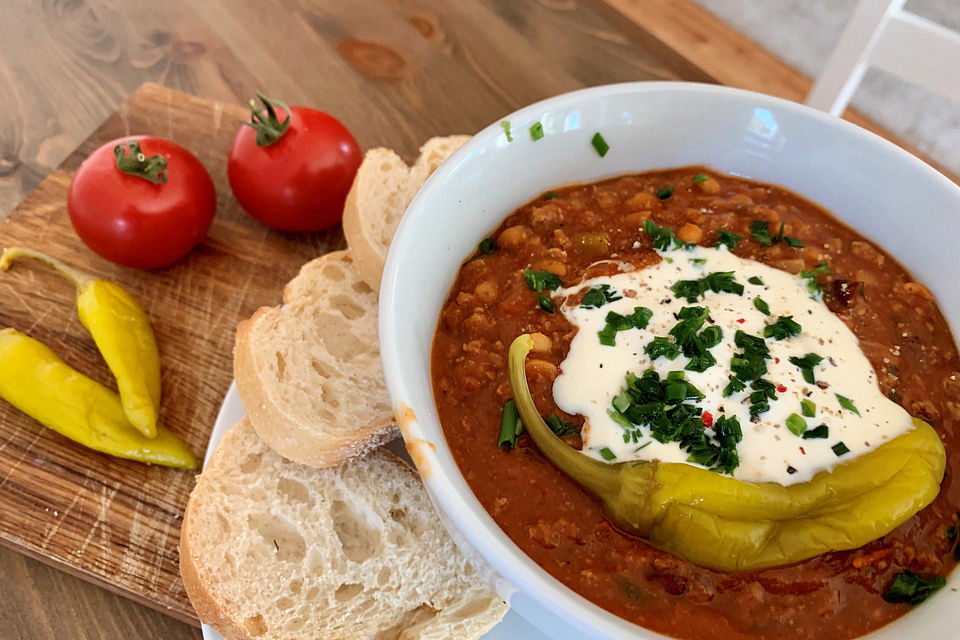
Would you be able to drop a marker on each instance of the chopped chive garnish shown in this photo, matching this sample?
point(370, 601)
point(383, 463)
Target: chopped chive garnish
point(806, 365)
point(487, 245)
point(616, 322)
point(663, 238)
point(596, 297)
point(536, 131)
point(550, 195)
point(839, 449)
point(700, 177)
point(796, 243)
point(545, 303)
point(667, 406)
point(847, 403)
point(761, 305)
point(783, 328)
point(910, 588)
point(664, 193)
point(505, 125)
point(810, 276)
point(607, 454)
point(510, 425)
point(692, 290)
point(760, 229)
point(541, 280)
point(560, 426)
point(755, 280)
point(699, 261)
point(796, 424)
point(600, 144)
point(727, 238)
point(817, 433)
point(808, 408)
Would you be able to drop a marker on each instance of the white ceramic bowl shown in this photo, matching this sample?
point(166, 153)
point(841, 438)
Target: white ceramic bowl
point(885, 193)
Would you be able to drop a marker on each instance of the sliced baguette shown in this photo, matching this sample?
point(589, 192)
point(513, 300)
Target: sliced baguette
point(274, 550)
point(380, 194)
point(309, 371)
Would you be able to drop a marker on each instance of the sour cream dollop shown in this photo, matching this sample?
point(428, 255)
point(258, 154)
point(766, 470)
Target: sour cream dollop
point(593, 374)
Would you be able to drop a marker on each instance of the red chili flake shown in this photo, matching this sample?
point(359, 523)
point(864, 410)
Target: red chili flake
point(802, 451)
point(741, 320)
point(707, 419)
point(777, 360)
point(781, 388)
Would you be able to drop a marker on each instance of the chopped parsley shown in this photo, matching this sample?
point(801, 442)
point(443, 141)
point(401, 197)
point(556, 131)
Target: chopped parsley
point(510, 425)
point(755, 280)
point(748, 364)
point(783, 328)
point(607, 454)
point(821, 432)
point(560, 426)
point(664, 192)
point(761, 305)
point(726, 238)
point(663, 237)
point(840, 448)
point(541, 280)
point(796, 424)
point(700, 177)
point(808, 408)
point(536, 131)
point(596, 297)
point(847, 403)
point(599, 144)
point(806, 365)
point(718, 281)
point(616, 323)
point(761, 233)
point(545, 303)
point(810, 276)
point(686, 339)
point(487, 245)
point(910, 588)
point(760, 229)
point(550, 195)
point(666, 407)
point(505, 125)
point(661, 347)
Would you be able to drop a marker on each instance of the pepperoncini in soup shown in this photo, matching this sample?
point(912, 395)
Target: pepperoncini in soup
point(732, 525)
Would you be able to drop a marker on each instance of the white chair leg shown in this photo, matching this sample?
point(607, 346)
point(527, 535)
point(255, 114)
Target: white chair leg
point(848, 62)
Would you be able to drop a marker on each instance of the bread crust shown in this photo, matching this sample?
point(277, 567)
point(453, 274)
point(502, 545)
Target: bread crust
point(366, 257)
point(268, 419)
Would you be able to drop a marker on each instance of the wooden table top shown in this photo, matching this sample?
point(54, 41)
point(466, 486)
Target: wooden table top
point(395, 72)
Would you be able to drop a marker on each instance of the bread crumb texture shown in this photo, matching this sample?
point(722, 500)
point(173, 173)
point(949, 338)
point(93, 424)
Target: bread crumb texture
point(356, 551)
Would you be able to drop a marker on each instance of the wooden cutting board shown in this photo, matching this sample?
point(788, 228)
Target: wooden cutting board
point(112, 521)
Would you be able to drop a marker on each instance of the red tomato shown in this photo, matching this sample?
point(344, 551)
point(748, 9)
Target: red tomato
point(293, 177)
point(137, 221)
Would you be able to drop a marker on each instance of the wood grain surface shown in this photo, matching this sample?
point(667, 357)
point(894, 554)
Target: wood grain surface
point(117, 522)
point(395, 71)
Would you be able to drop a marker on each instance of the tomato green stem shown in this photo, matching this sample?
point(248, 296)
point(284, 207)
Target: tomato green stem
point(266, 122)
point(153, 168)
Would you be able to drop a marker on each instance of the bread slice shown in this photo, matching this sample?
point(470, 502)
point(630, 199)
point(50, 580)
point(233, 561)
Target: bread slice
point(274, 550)
point(309, 371)
point(380, 194)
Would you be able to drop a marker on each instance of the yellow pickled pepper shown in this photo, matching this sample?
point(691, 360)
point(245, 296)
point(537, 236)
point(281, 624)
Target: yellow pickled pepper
point(731, 525)
point(37, 382)
point(121, 330)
